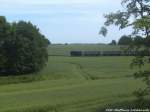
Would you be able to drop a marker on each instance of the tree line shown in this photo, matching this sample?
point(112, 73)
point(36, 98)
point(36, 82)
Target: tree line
point(23, 49)
point(128, 40)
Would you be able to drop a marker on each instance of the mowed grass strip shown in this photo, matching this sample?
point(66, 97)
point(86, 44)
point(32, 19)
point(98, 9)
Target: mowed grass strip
point(100, 89)
point(95, 67)
point(63, 86)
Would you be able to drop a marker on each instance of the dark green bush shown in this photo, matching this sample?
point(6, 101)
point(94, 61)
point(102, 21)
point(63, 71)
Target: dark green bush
point(23, 48)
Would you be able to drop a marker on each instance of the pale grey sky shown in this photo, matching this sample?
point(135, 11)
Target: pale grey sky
point(65, 21)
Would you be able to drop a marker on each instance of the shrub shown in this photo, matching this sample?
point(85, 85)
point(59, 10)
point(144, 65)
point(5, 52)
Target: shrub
point(23, 48)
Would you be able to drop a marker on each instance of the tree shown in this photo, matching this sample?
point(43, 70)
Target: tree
point(138, 41)
point(103, 31)
point(113, 42)
point(125, 40)
point(24, 49)
point(136, 15)
point(4, 35)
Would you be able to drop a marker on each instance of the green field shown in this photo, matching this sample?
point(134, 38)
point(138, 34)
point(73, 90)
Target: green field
point(70, 84)
point(64, 50)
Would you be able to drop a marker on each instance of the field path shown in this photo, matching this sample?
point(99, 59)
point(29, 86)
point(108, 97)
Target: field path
point(79, 68)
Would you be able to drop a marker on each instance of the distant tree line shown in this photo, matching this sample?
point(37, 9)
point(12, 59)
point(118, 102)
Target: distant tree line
point(23, 49)
point(128, 41)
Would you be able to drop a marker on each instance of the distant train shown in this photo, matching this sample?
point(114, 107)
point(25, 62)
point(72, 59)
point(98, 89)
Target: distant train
point(105, 53)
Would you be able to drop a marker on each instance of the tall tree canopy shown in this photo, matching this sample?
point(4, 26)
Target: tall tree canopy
point(136, 14)
point(23, 48)
point(113, 42)
point(125, 40)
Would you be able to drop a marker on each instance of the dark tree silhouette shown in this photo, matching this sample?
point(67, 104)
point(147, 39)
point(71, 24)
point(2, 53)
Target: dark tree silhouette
point(125, 40)
point(23, 48)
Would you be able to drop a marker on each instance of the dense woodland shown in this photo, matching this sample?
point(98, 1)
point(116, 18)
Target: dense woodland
point(23, 49)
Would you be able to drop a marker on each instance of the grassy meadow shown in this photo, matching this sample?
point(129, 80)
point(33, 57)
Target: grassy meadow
point(71, 84)
point(64, 50)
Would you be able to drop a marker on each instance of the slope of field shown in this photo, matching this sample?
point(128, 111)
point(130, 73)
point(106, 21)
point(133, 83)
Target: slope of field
point(70, 84)
point(64, 50)
point(88, 67)
point(65, 95)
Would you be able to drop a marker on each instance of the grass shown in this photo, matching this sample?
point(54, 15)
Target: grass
point(66, 96)
point(64, 50)
point(71, 84)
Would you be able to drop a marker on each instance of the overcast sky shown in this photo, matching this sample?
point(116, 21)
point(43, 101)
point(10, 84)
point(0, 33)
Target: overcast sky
point(65, 21)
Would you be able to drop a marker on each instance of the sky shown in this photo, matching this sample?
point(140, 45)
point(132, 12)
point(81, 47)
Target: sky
point(65, 21)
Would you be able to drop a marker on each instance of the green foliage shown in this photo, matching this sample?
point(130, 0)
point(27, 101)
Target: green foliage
point(139, 9)
point(23, 48)
point(4, 35)
point(143, 25)
point(119, 19)
point(113, 42)
point(125, 40)
point(136, 14)
point(138, 41)
point(103, 31)
point(147, 42)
